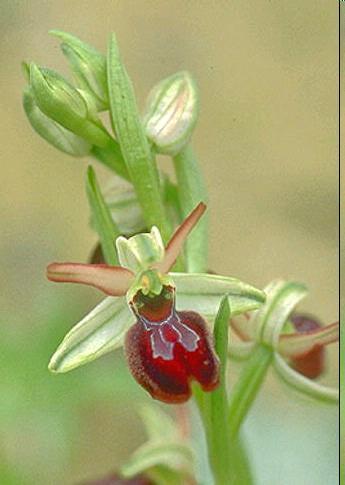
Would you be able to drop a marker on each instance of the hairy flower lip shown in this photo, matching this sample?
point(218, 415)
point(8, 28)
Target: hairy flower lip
point(166, 359)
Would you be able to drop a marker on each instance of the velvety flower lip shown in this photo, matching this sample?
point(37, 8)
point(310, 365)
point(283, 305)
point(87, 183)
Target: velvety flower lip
point(165, 356)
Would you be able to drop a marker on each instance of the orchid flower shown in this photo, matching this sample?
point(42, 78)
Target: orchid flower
point(297, 340)
point(154, 313)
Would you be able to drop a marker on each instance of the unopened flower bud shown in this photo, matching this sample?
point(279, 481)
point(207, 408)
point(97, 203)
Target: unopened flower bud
point(88, 65)
point(124, 207)
point(171, 113)
point(51, 131)
point(61, 102)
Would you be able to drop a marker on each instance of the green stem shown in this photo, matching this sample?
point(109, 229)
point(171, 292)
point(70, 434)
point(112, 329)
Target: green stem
point(246, 388)
point(111, 157)
point(191, 191)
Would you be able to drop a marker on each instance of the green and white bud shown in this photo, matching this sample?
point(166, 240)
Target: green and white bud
point(88, 66)
point(51, 131)
point(61, 102)
point(171, 113)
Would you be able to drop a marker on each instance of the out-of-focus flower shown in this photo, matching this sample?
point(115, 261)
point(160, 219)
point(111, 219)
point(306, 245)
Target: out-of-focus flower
point(297, 341)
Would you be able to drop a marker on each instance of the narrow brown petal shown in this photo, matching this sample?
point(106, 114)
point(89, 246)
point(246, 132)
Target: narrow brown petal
point(177, 240)
point(112, 280)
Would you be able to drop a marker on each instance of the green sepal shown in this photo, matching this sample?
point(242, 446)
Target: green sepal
point(61, 102)
point(269, 321)
point(98, 333)
point(55, 134)
point(88, 66)
point(105, 226)
point(303, 385)
point(203, 293)
point(171, 113)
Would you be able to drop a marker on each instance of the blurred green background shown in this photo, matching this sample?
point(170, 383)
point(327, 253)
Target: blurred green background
point(267, 144)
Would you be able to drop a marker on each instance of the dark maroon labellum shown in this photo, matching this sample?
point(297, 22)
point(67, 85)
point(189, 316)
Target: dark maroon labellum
point(311, 364)
point(167, 349)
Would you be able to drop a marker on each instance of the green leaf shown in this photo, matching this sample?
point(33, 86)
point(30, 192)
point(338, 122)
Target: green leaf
point(221, 336)
point(227, 457)
point(51, 131)
point(202, 293)
point(191, 191)
point(133, 142)
point(98, 333)
point(105, 226)
point(88, 65)
point(216, 401)
point(304, 385)
point(171, 113)
point(173, 455)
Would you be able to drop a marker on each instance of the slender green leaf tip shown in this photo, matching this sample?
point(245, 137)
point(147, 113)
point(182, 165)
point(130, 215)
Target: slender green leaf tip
point(221, 331)
point(134, 145)
point(105, 226)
